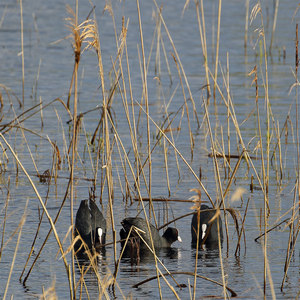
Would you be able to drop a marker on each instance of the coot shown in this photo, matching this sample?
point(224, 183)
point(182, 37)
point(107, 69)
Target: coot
point(90, 224)
point(164, 241)
point(208, 232)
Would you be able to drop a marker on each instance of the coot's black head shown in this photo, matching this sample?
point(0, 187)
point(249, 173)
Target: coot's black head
point(171, 235)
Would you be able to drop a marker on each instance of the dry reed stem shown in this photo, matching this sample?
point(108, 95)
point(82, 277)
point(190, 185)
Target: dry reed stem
point(179, 62)
point(22, 52)
point(293, 235)
point(271, 229)
point(202, 32)
point(217, 49)
point(158, 39)
point(233, 174)
point(192, 143)
point(31, 156)
point(197, 199)
point(3, 15)
point(274, 25)
point(221, 194)
point(92, 258)
point(9, 91)
point(20, 227)
point(279, 174)
point(122, 252)
point(166, 59)
point(94, 168)
point(142, 203)
point(5, 218)
point(124, 171)
point(264, 178)
point(228, 117)
point(166, 167)
point(17, 119)
point(91, 36)
point(145, 93)
point(297, 134)
point(134, 139)
point(77, 52)
point(238, 246)
point(40, 222)
point(233, 293)
point(93, 33)
point(181, 156)
point(233, 117)
point(137, 231)
point(169, 125)
point(35, 87)
point(229, 114)
point(126, 108)
point(199, 182)
point(159, 137)
point(37, 194)
point(47, 236)
point(246, 25)
point(257, 9)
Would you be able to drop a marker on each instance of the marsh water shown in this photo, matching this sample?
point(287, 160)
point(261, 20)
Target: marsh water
point(48, 65)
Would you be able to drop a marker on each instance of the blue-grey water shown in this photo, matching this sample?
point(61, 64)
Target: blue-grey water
point(48, 65)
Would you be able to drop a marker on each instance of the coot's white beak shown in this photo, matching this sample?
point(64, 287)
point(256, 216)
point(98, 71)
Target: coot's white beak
point(100, 231)
point(179, 239)
point(204, 227)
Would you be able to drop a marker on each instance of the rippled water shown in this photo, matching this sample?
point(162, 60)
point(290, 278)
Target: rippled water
point(48, 70)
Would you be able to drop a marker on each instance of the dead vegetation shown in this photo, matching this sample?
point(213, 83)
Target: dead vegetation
point(126, 162)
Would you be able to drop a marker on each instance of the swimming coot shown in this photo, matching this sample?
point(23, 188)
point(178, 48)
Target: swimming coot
point(90, 224)
point(208, 232)
point(164, 241)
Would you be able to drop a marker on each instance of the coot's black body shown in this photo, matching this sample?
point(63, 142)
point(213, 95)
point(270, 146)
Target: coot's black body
point(208, 232)
point(90, 224)
point(165, 241)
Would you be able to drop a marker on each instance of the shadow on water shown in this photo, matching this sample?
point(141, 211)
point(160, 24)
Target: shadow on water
point(84, 262)
point(146, 256)
point(90, 270)
point(99, 253)
point(134, 271)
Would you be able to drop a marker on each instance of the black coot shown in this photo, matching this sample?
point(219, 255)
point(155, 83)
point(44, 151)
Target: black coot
point(165, 241)
point(208, 232)
point(90, 224)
